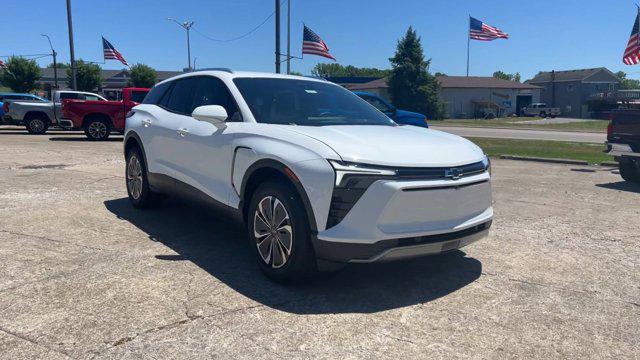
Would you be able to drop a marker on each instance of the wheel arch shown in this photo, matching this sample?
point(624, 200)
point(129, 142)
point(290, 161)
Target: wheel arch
point(33, 113)
point(133, 140)
point(268, 169)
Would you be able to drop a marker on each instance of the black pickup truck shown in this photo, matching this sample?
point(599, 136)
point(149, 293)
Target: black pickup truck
point(623, 142)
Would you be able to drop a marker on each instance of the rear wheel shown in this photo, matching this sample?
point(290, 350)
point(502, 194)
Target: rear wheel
point(543, 114)
point(97, 129)
point(137, 180)
point(37, 125)
point(630, 170)
point(279, 233)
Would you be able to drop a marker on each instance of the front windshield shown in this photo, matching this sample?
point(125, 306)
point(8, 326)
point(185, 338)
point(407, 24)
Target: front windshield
point(305, 102)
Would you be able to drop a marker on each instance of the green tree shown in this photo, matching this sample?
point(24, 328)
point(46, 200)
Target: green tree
point(439, 74)
point(21, 74)
point(297, 73)
point(410, 85)
point(337, 70)
point(143, 76)
point(627, 84)
point(504, 76)
point(88, 76)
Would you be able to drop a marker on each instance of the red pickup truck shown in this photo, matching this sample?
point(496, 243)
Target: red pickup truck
point(99, 119)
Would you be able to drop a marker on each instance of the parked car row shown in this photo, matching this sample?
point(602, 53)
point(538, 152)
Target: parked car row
point(75, 110)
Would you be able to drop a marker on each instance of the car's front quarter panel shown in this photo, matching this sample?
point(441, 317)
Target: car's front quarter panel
point(315, 174)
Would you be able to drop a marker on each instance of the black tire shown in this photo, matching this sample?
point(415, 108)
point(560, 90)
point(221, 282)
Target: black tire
point(630, 170)
point(136, 181)
point(97, 129)
point(543, 115)
point(37, 125)
point(300, 263)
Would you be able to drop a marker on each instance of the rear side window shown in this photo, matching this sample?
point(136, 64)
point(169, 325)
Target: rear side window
point(155, 95)
point(138, 96)
point(68, 96)
point(91, 97)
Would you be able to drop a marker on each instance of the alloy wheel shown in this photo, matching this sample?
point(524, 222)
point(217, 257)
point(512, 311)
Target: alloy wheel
point(36, 125)
point(97, 130)
point(273, 232)
point(134, 177)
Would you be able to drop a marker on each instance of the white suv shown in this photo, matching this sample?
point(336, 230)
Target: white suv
point(319, 176)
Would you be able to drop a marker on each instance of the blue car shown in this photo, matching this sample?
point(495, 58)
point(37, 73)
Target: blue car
point(16, 97)
point(399, 116)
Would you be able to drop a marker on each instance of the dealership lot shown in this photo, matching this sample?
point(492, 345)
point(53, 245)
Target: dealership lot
point(84, 275)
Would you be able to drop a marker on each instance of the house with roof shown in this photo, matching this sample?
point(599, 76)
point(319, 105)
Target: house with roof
point(472, 96)
point(479, 96)
point(572, 90)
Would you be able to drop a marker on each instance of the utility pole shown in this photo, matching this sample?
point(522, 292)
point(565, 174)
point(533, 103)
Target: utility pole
point(74, 84)
point(187, 26)
point(277, 36)
point(288, 37)
point(55, 64)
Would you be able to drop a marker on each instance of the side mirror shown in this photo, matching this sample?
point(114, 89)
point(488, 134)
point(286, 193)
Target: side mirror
point(214, 114)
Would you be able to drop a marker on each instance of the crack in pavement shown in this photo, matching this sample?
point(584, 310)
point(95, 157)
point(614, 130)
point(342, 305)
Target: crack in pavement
point(34, 342)
point(52, 240)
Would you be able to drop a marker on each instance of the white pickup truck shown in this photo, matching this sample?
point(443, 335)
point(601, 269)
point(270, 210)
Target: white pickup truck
point(37, 117)
point(541, 110)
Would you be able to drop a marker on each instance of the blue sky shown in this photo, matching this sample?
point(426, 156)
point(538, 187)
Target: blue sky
point(545, 34)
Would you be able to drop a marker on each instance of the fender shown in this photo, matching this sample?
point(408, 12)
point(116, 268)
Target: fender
point(280, 167)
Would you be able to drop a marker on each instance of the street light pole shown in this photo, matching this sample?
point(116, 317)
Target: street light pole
point(55, 64)
point(187, 26)
point(71, 52)
point(277, 36)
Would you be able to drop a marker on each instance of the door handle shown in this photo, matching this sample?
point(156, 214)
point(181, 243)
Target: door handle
point(183, 132)
point(146, 123)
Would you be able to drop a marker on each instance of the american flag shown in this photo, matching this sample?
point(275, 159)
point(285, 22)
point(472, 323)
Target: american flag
point(111, 53)
point(632, 52)
point(483, 32)
point(313, 44)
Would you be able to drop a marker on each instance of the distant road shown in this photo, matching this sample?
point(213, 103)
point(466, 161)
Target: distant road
point(524, 134)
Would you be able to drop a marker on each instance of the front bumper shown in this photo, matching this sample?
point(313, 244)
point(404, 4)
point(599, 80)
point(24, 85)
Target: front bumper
point(400, 219)
point(397, 249)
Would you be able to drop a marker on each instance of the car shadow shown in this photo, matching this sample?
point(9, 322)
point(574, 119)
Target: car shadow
point(83, 138)
point(621, 186)
point(219, 246)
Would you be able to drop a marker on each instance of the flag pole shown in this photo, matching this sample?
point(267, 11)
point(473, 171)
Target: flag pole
point(468, 43)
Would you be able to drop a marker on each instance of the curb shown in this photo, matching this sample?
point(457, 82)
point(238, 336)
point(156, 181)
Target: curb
point(609, 163)
point(545, 160)
point(518, 128)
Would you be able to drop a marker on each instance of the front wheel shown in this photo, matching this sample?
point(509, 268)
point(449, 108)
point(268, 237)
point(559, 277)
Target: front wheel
point(37, 125)
point(279, 233)
point(630, 170)
point(97, 129)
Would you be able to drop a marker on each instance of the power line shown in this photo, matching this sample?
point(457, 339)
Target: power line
point(241, 36)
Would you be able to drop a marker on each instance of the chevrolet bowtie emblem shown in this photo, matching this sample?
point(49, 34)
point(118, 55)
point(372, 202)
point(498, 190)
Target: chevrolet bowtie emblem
point(453, 173)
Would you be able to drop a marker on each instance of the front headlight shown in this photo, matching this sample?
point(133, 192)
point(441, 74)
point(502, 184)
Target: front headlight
point(487, 163)
point(346, 169)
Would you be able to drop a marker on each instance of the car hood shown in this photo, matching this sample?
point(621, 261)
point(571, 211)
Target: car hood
point(394, 146)
point(404, 113)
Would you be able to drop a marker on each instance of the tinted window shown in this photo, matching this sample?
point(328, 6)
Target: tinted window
point(181, 97)
point(68, 96)
point(377, 103)
point(306, 102)
point(138, 96)
point(212, 91)
point(155, 95)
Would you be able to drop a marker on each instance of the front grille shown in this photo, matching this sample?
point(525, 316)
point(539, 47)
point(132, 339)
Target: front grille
point(353, 186)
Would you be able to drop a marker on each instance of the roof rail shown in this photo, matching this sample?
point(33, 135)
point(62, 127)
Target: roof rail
point(216, 68)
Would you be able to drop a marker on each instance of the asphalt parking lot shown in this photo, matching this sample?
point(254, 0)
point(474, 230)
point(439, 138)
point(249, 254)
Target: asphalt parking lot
point(84, 275)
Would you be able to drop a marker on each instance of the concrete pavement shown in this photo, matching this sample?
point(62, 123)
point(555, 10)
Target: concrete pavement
point(84, 275)
point(525, 134)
